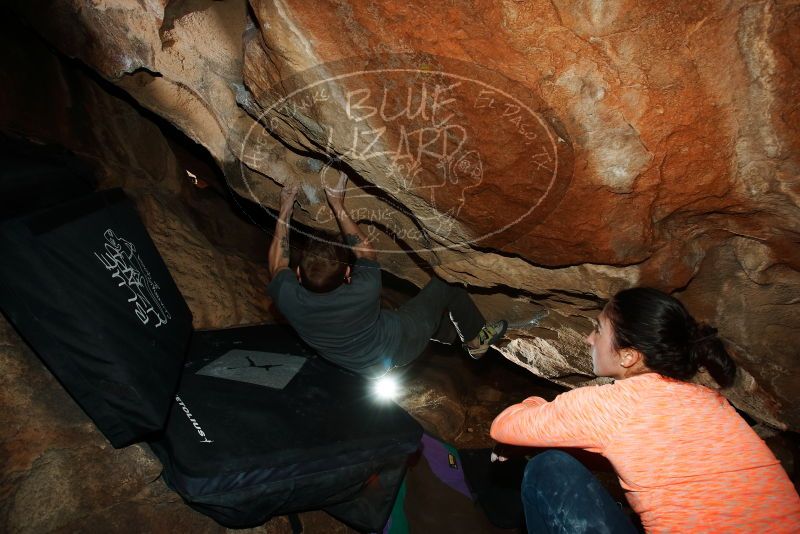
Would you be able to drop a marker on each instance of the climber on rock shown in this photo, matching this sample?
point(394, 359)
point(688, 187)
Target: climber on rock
point(335, 308)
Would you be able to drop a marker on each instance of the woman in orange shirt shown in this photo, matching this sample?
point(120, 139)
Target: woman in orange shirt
point(687, 461)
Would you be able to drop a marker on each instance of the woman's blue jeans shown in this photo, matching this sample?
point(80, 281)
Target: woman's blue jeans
point(560, 495)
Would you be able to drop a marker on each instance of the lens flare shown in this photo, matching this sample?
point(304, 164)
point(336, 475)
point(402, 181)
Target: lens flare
point(387, 388)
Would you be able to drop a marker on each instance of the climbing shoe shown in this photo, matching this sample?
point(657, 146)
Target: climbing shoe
point(488, 336)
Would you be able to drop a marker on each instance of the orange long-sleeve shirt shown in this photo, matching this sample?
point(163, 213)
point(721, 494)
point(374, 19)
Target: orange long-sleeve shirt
point(687, 460)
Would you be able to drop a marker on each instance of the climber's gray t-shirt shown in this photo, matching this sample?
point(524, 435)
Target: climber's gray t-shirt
point(347, 325)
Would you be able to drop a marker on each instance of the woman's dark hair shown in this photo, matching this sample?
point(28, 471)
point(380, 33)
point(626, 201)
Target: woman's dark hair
point(672, 342)
point(324, 264)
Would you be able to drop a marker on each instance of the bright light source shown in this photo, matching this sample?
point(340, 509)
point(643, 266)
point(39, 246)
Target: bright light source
point(386, 387)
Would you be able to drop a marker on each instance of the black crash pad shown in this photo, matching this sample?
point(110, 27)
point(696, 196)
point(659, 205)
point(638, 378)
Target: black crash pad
point(284, 432)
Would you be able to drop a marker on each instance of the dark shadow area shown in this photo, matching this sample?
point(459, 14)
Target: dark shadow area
point(35, 176)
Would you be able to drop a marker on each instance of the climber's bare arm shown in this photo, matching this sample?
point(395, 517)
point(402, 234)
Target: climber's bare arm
point(279, 248)
point(353, 235)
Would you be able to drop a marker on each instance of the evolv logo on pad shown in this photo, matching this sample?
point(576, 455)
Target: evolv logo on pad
point(192, 420)
point(126, 266)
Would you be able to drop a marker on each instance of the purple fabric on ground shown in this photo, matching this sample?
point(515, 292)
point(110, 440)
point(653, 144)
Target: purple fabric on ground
point(437, 455)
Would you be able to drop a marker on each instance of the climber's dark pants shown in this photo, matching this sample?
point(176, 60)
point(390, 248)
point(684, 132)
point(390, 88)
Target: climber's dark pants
point(442, 312)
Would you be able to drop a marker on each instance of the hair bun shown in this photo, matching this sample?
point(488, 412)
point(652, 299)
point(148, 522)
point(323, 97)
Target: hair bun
point(701, 338)
point(703, 332)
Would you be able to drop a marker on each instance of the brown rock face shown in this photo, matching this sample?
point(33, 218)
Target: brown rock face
point(669, 138)
point(551, 152)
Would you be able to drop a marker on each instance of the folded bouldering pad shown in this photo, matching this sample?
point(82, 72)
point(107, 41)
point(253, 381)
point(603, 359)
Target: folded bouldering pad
point(84, 285)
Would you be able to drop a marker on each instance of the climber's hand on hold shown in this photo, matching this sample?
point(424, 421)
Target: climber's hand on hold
point(335, 194)
point(288, 196)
